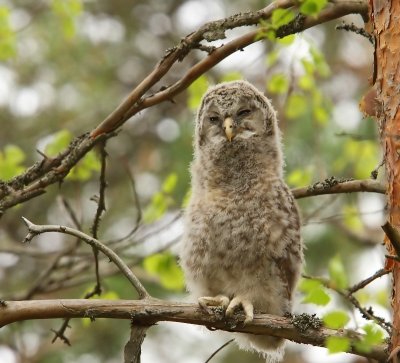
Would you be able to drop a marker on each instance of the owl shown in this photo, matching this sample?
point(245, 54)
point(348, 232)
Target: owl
point(241, 247)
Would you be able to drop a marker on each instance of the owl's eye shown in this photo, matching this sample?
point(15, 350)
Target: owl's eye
point(214, 119)
point(244, 112)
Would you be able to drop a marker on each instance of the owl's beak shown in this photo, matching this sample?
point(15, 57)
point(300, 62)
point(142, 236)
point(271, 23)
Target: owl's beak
point(229, 128)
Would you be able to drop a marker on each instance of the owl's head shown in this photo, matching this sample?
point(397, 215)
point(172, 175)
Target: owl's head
point(234, 112)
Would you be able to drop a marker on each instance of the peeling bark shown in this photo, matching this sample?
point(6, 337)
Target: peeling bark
point(385, 16)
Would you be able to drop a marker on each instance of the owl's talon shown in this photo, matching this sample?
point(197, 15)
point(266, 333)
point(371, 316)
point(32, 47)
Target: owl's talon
point(213, 301)
point(245, 304)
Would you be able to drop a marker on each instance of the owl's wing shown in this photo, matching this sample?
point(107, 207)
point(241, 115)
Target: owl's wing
point(288, 265)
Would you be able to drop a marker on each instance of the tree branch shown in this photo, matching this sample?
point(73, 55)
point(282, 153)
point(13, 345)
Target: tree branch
point(213, 31)
point(335, 186)
point(150, 311)
point(348, 295)
point(133, 348)
point(33, 181)
point(35, 230)
point(49, 171)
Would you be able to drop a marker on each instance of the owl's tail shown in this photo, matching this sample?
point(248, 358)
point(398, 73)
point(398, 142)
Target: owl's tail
point(270, 348)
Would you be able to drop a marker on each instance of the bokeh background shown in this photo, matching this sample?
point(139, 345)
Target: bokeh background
point(67, 64)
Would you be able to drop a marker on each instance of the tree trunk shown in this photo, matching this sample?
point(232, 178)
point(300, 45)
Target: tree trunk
point(385, 16)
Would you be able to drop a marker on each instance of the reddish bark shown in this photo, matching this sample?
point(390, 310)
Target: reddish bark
point(385, 15)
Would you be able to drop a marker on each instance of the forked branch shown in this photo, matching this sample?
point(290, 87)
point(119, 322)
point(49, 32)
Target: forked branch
point(33, 181)
point(35, 230)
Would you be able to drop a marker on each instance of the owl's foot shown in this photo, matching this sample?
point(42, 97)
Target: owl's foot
point(247, 306)
point(213, 301)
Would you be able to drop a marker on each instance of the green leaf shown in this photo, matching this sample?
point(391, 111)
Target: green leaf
point(281, 17)
point(321, 66)
point(306, 82)
point(312, 7)
point(156, 209)
point(308, 66)
point(315, 292)
point(59, 141)
point(351, 217)
point(272, 58)
point(196, 91)
point(186, 198)
point(232, 76)
point(169, 184)
point(337, 273)
point(321, 115)
point(287, 40)
point(278, 84)
point(10, 162)
point(373, 336)
point(337, 344)
point(336, 319)
point(317, 296)
point(67, 11)
point(7, 35)
point(165, 267)
point(300, 177)
point(110, 295)
point(296, 106)
point(85, 168)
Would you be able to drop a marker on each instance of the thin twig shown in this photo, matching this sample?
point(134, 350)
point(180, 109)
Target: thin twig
point(101, 204)
point(139, 213)
point(218, 350)
point(363, 283)
point(101, 207)
point(366, 313)
point(34, 230)
point(355, 29)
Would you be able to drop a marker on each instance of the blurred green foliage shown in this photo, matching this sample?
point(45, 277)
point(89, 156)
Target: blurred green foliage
point(7, 36)
point(66, 12)
point(165, 267)
point(68, 64)
point(11, 158)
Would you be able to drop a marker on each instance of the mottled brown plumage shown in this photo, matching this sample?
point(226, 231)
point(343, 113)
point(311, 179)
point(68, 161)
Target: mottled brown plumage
point(241, 244)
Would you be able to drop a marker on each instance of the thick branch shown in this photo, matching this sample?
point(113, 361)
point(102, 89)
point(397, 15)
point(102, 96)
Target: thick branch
point(149, 312)
point(34, 230)
point(333, 186)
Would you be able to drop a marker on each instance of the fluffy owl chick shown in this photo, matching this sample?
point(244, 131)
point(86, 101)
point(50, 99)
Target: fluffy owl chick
point(241, 246)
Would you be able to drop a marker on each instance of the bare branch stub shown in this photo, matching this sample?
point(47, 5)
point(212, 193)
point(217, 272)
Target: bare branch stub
point(394, 236)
